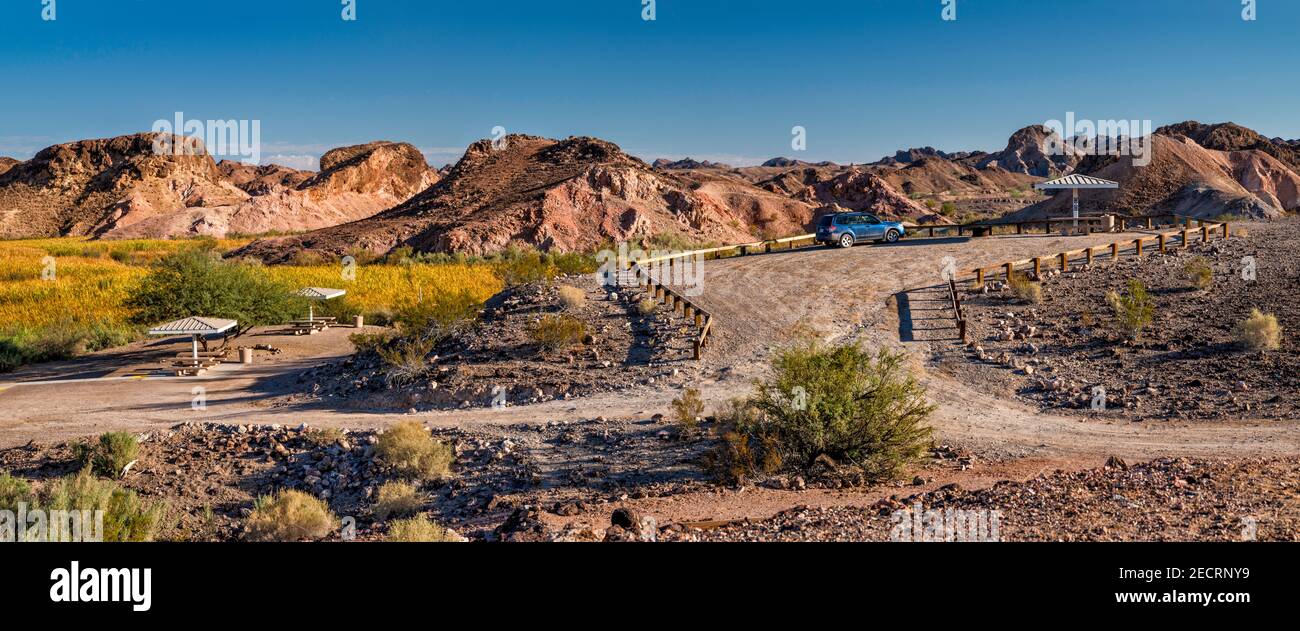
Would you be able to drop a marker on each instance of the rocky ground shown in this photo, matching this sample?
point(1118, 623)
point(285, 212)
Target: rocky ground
point(499, 363)
point(1164, 500)
point(1186, 365)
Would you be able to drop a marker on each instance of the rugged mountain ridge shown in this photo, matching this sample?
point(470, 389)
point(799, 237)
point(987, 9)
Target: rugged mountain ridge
point(123, 188)
point(563, 195)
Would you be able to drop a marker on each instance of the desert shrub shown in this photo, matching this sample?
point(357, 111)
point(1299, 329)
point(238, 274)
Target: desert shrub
point(289, 515)
point(126, 516)
point(557, 332)
point(1025, 289)
point(646, 307)
point(1199, 273)
point(1133, 309)
point(1260, 331)
point(688, 408)
point(397, 498)
point(64, 338)
point(322, 437)
point(948, 209)
point(417, 530)
point(439, 317)
point(370, 341)
point(192, 282)
point(114, 451)
point(14, 490)
point(410, 450)
point(741, 451)
point(520, 267)
point(406, 359)
point(572, 297)
point(573, 262)
point(307, 258)
point(842, 403)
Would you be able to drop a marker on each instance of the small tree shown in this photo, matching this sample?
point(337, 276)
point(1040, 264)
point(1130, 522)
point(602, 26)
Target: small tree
point(843, 403)
point(195, 282)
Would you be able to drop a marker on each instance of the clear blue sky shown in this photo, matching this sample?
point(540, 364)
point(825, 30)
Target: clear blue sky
point(719, 79)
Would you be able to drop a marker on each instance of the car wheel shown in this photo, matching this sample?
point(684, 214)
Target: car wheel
point(891, 236)
point(846, 241)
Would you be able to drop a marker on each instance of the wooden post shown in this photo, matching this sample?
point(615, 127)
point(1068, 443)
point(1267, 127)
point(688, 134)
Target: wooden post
point(1226, 231)
point(1020, 228)
point(1138, 243)
point(699, 319)
point(1038, 266)
point(1010, 268)
point(1114, 251)
point(931, 232)
point(979, 277)
point(1184, 241)
point(1205, 232)
point(1160, 238)
point(697, 354)
point(1065, 261)
point(688, 312)
point(1148, 223)
point(1089, 253)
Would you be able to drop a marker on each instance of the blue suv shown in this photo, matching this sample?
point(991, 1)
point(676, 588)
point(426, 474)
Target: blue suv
point(845, 229)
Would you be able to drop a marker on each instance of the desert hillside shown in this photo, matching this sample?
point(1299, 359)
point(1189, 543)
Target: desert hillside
point(1184, 178)
point(561, 195)
point(121, 188)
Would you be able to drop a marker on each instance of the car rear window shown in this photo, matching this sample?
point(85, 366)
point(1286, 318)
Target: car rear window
point(824, 222)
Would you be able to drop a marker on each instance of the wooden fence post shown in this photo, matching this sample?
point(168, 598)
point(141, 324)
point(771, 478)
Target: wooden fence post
point(1065, 261)
point(1114, 251)
point(1184, 238)
point(1161, 240)
point(1138, 243)
point(1149, 223)
point(1038, 266)
point(1009, 268)
point(1205, 232)
point(979, 277)
point(1226, 231)
point(1089, 253)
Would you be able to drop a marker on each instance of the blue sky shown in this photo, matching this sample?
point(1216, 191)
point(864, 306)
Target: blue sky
point(716, 79)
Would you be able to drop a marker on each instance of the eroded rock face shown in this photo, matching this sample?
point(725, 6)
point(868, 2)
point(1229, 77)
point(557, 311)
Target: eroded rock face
point(6, 163)
point(1028, 152)
point(79, 188)
point(563, 195)
point(123, 188)
point(853, 189)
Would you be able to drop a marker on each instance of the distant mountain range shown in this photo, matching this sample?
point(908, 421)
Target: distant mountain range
point(580, 192)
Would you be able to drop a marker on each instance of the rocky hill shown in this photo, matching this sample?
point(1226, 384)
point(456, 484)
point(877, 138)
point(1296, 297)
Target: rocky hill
point(688, 163)
point(1184, 178)
point(854, 188)
point(1234, 137)
point(562, 195)
point(6, 164)
point(122, 188)
point(1027, 152)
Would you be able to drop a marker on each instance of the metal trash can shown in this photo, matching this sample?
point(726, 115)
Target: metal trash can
point(245, 355)
point(359, 322)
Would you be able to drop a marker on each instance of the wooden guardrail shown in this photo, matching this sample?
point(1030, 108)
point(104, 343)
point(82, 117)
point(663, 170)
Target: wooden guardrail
point(1163, 242)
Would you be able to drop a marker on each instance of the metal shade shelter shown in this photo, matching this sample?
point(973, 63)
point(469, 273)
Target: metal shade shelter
point(1074, 182)
point(319, 293)
point(194, 327)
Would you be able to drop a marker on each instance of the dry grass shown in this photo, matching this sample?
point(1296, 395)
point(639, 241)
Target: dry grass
point(1025, 289)
point(646, 307)
point(397, 498)
point(1199, 273)
point(408, 448)
point(557, 332)
point(290, 515)
point(688, 408)
point(418, 530)
point(1260, 332)
point(572, 298)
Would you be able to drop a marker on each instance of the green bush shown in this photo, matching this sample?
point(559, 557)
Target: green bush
point(192, 282)
point(289, 515)
point(14, 490)
point(557, 332)
point(126, 516)
point(407, 359)
point(114, 451)
point(863, 411)
point(688, 408)
point(397, 498)
point(1133, 310)
point(63, 339)
point(410, 450)
point(418, 530)
point(439, 317)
